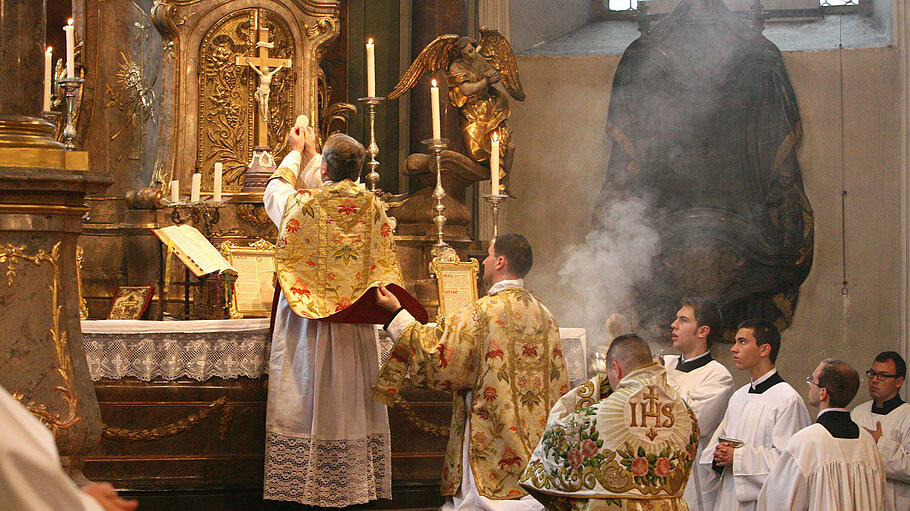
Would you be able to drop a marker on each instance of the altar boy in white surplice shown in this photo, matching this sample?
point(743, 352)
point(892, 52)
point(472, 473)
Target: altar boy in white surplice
point(761, 417)
point(832, 464)
point(327, 441)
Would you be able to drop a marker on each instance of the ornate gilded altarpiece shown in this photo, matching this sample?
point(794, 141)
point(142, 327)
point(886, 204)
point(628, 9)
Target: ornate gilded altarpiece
point(208, 104)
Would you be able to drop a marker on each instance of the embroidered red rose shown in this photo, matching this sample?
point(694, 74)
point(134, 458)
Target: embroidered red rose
point(557, 352)
point(495, 351)
point(348, 207)
point(489, 394)
point(574, 458)
point(330, 276)
point(480, 437)
point(310, 262)
point(663, 467)
point(529, 350)
point(639, 466)
point(509, 458)
point(589, 448)
point(385, 230)
point(293, 225)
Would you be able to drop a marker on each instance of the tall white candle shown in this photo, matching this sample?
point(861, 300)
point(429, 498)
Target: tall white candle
point(48, 81)
point(175, 191)
point(434, 104)
point(219, 170)
point(494, 165)
point(371, 69)
point(70, 49)
point(197, 186)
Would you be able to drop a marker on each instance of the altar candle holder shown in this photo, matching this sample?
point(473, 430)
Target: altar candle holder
point(373, 175)
point(438, 145)
point(494, 201)
point(71, 88)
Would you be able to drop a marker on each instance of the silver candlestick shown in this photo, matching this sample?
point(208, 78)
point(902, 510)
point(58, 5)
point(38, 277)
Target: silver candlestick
point(438, 145)
point(494, 201)
point(373, 175)
point(70, 89)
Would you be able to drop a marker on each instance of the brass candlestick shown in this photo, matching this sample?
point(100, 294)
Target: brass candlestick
point(494, 201)
point(438, 145)
point(208, 211)
point(373, 175)
point(70, 89)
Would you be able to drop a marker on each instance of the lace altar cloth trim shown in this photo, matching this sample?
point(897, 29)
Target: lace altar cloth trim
point(330, 473)
point(171, 355)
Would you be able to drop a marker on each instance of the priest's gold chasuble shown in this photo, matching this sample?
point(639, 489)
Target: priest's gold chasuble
point(334, 244)
point(630, 449)
point(505, 349)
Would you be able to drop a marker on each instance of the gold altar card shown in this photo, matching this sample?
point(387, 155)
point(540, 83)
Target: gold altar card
point(130, 302)
point(456, 281)
point(254, 288)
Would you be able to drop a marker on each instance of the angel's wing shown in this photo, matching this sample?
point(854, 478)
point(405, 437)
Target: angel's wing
point(437, 55)
point(496, 49)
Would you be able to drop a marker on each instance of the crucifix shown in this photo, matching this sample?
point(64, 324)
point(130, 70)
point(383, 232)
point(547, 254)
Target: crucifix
point(265, 67)
point(262, 164)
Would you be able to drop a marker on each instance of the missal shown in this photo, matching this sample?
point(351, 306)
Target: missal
point(194, 250)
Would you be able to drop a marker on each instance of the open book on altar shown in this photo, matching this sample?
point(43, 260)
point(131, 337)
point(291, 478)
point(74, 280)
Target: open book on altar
point(194, 250)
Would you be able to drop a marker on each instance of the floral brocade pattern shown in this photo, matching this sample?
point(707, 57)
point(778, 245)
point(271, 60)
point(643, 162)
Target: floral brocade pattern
point(638, 442)
point(334, 244)
point(506, 349)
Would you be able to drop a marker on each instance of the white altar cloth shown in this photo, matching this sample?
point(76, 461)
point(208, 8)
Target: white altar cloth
point(169, 350)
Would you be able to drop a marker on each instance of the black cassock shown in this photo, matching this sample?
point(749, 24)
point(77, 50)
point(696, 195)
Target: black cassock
point(704, 126)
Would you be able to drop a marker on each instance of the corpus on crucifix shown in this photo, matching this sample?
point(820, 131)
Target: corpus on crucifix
point(262, 164)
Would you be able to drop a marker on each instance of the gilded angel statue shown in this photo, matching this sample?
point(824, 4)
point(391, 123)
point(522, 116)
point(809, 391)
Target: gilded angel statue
point(472, 73)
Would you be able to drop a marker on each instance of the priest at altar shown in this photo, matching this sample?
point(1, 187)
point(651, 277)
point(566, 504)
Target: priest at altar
point(334, 244)
point(631, 448)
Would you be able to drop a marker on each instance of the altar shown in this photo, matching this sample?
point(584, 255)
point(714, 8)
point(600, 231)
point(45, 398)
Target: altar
point(183, 412)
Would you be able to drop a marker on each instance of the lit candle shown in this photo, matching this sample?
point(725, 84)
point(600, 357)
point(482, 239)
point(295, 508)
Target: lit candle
point(371, 69)
point(197, 186)
point(434, 104)
point(175, 191)
point(494, 165)
point(48, 82)
point(219, 169)
point(70, 48)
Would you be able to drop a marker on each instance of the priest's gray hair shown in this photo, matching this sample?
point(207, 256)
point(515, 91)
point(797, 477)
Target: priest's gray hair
point(630, 352)
point(343, 157)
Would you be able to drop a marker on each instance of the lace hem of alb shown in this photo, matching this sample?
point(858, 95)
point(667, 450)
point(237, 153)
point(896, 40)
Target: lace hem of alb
point(170, 356)
point(328, 473)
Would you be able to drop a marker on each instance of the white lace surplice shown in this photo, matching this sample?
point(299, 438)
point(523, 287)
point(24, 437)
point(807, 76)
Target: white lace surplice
point(327, 440)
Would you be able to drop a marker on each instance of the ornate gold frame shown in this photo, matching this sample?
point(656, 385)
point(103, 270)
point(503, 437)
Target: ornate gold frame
point(80, 262)
point(445, 269)
point(259, 248)
point(12, 255)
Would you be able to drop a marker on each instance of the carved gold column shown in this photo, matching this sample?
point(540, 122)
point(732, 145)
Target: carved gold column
point(42, 200)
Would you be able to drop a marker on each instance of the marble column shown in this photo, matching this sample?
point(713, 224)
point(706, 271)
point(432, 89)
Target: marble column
point(22, 68)
point(429, 20)
point(42, 201)
point(901, 27)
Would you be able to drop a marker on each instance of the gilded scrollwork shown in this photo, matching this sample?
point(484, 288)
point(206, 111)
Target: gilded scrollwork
point(170, 429)
point(227, 106)
point(12, 255)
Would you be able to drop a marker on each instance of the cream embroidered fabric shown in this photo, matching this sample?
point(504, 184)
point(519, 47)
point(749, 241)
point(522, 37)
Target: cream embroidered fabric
point(176, 349)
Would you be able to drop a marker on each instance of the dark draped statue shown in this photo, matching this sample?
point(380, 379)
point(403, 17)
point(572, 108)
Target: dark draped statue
point(704, 127)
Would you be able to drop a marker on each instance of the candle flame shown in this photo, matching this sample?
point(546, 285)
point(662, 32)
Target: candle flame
point(495, 137)
point(69, 21)
point(50, 49)
point(370, 41)
point(433, 81)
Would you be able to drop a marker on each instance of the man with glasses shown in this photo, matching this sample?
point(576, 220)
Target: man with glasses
point(832, 464)
point(887, 418)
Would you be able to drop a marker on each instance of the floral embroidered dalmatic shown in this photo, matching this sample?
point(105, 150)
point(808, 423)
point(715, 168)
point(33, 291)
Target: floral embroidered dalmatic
point(505, 349)
point(628, 449)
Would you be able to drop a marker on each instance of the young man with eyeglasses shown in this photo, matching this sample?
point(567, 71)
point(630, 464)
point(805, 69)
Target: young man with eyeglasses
point(887, 418)
point(761, 417)
point(832, 464)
